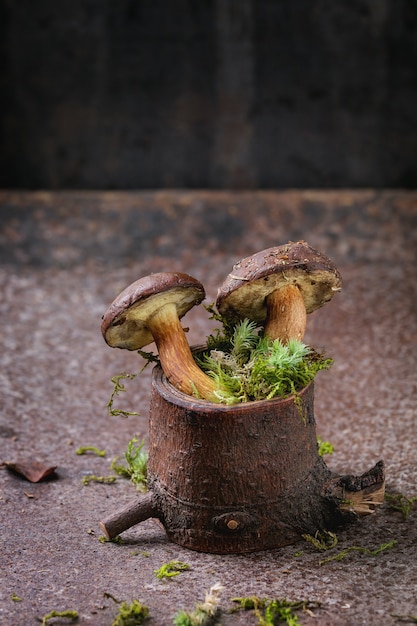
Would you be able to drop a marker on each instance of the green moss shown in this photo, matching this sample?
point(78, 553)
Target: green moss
point(400, 502)
point(73, 615)
point(94, 449)
point(344, 553)
point(137, 464)
point(103, 539)
point(16, 598)
point(271, 612)
point(109, 480)
point(173, 568)
point(324, 447)
point(249, 603)
point(119, 387)
point(322, 540)
point(131, 614)
point(248, 367)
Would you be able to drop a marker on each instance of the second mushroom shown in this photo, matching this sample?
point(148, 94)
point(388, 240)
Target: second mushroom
point(278, 287)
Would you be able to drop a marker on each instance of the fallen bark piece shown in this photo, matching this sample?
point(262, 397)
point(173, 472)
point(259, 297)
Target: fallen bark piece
point(359, 494)
point(33, 470)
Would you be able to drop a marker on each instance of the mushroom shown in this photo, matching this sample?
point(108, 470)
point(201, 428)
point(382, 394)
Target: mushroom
point(150, 310)
point(278, 287)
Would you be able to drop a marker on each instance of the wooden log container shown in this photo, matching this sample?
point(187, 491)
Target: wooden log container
point(242, 478)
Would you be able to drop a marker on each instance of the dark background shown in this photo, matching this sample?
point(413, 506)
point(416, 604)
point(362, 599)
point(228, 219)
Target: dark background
point(134, 94)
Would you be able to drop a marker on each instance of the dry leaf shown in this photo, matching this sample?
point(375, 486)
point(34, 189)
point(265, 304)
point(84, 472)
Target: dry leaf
point(31, 469)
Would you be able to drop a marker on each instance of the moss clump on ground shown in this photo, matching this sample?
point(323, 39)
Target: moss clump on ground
point(271, 612)
point(72, 615)
point(173, 568)
point(137, 464)
point(400, 502)
point(131, 614)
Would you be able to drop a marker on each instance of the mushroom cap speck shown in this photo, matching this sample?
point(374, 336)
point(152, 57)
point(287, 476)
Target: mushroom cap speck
point(124, 324)
point(243, 294)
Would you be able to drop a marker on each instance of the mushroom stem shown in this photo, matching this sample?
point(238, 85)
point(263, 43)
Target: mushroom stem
point(286, 314)
point(175, 355)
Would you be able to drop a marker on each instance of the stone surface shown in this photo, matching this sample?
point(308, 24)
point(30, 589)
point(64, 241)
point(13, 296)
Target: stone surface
point(64, 257)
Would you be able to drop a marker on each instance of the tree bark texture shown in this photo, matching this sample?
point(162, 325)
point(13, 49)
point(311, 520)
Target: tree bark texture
point(239, 478)
point(233, 479)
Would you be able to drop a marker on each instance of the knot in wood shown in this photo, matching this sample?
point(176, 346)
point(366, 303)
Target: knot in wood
point(234, 522)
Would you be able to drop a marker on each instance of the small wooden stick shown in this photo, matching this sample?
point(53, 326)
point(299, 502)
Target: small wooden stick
point(134, 512)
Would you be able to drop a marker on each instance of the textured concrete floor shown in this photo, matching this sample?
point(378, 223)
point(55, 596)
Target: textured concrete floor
point(64, 257)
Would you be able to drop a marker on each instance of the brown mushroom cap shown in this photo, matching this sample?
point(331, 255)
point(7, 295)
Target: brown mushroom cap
point(245, 290)
point(124, 323)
